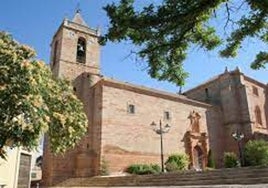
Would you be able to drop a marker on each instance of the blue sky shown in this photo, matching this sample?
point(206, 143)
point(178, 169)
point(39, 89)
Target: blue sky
point(34, 22)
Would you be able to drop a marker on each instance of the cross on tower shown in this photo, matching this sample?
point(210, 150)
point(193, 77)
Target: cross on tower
point(78, 9)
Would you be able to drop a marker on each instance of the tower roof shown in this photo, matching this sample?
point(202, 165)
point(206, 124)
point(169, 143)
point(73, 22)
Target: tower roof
point(78, 18)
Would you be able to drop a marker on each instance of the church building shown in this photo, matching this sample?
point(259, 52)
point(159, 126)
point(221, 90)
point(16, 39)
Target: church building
point(124, 118)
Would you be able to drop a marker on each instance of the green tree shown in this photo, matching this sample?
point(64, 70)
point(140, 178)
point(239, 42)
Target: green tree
point(256, 153)
point(164, 33)
point(32, 102)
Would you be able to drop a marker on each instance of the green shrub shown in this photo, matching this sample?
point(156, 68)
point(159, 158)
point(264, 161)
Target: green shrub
point(256, 153)
point(230, 160)
point(156, 168)
point(177, 162)
point(141, 169)
point(104, 168)
point(211, 162)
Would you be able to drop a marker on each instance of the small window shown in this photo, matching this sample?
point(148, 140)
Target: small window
point(258, 115)
point(131, 109)
point(255, 90)
point(206, 91)
point(167, 115)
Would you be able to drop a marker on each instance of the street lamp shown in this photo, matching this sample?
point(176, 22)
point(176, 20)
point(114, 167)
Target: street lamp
point(160, 130)
point(238, 136)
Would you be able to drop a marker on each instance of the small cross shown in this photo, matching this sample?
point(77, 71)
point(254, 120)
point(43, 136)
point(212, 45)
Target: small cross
point(78, 10)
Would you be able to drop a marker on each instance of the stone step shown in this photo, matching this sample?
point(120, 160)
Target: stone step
point(212, 175)
point(224, 176)
point(212, 172)
point(219, 181)
point(183, 182)
point(161, 177)
point(176, 182)
point(209, 173)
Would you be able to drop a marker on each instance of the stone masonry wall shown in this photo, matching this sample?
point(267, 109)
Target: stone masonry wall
point(227, 94)
point(128, 138)
point(259, 100)
point(232, 92)
point(66, 65)
point(81, 161)
point(216, 134)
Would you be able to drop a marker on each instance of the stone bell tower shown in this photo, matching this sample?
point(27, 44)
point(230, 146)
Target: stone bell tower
point(75, 55)
point(75, 50)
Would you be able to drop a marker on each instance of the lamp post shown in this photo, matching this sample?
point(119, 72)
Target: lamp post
point(238, 136)
point(160, 130)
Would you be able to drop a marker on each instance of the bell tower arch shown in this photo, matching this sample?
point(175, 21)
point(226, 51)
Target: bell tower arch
point(75, 50)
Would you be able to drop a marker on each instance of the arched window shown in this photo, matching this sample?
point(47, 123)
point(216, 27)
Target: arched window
point(207, 95)
point(258, 115)
point(81, 50)
point(206, 91)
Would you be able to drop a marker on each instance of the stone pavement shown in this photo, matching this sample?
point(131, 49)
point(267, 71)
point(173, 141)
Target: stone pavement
point(197, 186)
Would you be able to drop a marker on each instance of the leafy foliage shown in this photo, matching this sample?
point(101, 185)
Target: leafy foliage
point(256, 153)
point(177, 162)
point(104, 167)
point(142, 169)
point(230, 160)
point(165, 32)
point(32, 102)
